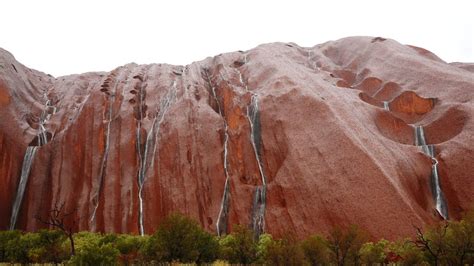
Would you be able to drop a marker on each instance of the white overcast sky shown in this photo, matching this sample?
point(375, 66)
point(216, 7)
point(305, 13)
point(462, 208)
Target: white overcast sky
point(65, 37)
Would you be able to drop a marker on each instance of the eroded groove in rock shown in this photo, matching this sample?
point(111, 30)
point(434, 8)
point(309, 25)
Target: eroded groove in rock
point(111, 82)
point(223, 216)
point(141, 151)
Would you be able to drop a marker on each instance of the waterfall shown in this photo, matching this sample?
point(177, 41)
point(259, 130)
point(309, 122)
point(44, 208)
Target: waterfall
point(221, 223)
point(259, 202)
point(151, 139)
point(44, 117)
point(258, 219)
point(419, 136)
point(42, 137)
point(28, 161)
point(258, 210)
point(103, 163)
point(429, 150)
point(386, 106)
point(438, 193)
point(25, 172)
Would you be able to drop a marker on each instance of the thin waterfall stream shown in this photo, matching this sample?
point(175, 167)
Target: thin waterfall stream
point(429, 150)
point(25, 172)
point(151, 139)
point(223, 216)
point(221, 223)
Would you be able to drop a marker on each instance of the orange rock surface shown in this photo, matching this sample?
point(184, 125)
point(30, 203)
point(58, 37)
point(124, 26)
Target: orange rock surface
point(330, 152)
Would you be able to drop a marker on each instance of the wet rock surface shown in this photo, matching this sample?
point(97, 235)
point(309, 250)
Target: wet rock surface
point(330, 142)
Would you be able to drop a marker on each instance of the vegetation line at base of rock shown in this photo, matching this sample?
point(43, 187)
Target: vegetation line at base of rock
point(181, 239)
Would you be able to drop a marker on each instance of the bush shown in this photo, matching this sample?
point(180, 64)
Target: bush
point(238, 247)
point(51, 246)
point(179, 238)
point(94, 254)
point(19, 248)
point(8, 239)
point(41, 247)
point(264, 242)
point(94, 249)
point(130, 247)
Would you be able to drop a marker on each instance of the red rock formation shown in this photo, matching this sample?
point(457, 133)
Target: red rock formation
point(329, 155)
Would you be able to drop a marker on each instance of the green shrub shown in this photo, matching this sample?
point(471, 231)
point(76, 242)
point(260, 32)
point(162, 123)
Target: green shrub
point(95, 254)
point(51, 247)
point(18, 249)
point(239, 246)
point(179, 238)
point(8, 239)
point(264, 241)
point(129, 247)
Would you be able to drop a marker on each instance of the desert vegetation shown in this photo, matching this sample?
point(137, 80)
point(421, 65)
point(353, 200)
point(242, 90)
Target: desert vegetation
point(179, 239)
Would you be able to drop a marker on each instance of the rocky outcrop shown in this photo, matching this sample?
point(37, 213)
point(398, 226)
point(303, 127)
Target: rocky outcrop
point(280, 138)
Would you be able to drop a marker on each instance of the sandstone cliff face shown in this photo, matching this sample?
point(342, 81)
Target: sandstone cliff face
point(280, 137)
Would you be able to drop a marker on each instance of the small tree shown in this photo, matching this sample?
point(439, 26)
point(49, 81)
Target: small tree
point(62, 220)
point(345, 244)
point(433, 242)
point(284, 251)
point(316, 250)
point(460, 241)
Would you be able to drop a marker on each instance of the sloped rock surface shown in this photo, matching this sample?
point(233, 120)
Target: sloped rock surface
point(130, 146)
